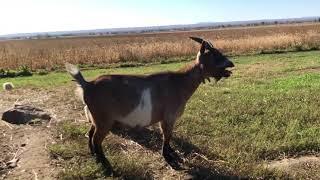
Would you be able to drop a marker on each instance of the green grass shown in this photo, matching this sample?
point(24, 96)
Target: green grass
point(55, 79)
point(268, 109)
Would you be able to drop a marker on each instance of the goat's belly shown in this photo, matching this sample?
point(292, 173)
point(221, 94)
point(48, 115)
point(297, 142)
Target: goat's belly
point(141, 115)
point(137, 119)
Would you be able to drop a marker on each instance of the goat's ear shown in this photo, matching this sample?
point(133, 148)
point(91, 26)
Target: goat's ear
point(199, 40)
point(203, 47)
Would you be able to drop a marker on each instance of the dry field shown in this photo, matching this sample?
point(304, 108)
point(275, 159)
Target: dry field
point(50, 54)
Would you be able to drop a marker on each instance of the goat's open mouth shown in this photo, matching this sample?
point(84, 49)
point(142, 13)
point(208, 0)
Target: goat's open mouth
point(226, 73)
point(223, 73)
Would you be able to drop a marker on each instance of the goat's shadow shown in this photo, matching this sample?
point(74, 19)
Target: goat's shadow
point(152, 139)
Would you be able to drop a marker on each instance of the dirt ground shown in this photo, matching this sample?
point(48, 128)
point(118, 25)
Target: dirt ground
point(307, 165)
point(24, 147)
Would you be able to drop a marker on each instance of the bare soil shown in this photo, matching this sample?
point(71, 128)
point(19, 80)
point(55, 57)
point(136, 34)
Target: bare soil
point(24, 152)
point(298, 166)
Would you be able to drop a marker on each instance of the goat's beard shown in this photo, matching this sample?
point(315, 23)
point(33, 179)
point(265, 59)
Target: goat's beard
point(217, 74)
point(218, 78)
point(209, 80)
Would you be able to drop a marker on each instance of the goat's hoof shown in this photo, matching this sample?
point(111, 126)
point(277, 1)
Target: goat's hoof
point(172, 154)
point(173, 160)
point(177, 157)
point(108, 172)
point(174, 165)
point(107, 169)
point(172, 157)
point(92, 153)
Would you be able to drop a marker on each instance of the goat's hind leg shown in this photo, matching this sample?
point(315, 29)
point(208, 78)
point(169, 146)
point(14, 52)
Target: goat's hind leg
point(98, 136)
point(90, 142)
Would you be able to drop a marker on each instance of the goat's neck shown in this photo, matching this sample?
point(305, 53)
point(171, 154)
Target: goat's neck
point(192, 78)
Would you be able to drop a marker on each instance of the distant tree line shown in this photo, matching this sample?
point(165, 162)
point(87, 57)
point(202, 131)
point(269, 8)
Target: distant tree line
point(258, 23)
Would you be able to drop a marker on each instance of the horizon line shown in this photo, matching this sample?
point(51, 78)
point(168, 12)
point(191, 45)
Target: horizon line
point(164, 25)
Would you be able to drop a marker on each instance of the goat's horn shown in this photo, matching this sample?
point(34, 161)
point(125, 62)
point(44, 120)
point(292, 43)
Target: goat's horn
point(199, 40)
point(207, 44)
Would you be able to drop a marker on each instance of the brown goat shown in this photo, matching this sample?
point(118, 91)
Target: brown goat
point(139, 101)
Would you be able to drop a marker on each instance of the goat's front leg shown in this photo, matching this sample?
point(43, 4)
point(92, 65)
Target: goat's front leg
point(171, 157)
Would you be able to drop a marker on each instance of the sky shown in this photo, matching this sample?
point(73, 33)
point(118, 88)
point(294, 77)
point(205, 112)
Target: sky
point(23, 16)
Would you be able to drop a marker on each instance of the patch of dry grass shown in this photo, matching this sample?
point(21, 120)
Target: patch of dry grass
point(144, 48)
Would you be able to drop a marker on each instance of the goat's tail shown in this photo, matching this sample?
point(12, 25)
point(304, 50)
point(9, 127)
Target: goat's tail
point(76, 74)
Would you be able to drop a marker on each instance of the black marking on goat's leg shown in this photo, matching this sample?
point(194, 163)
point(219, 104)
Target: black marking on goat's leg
point(90, 143)
point(97, 139)
point(171, 157)
point(101, 158)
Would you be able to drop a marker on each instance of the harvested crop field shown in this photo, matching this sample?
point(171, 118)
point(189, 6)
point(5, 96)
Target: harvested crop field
point(50, 54)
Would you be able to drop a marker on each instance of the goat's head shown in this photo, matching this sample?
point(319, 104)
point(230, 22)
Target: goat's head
point(212, 62)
